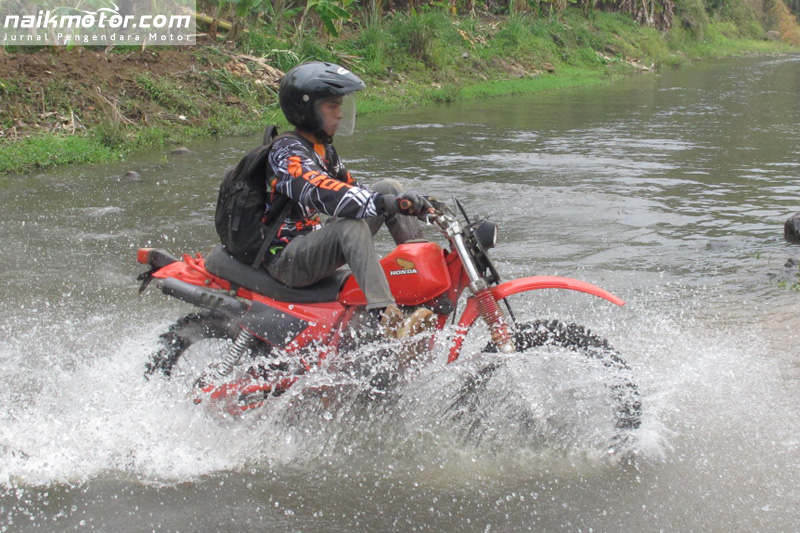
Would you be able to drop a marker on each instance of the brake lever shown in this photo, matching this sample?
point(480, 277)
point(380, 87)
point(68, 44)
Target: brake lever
point(426, 217)
point(145, 278)
point(439, 207)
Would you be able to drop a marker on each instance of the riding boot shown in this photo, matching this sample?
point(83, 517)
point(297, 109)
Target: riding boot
point(408, 330)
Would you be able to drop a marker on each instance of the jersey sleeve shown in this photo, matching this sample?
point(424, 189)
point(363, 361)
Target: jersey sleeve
point(299, 177)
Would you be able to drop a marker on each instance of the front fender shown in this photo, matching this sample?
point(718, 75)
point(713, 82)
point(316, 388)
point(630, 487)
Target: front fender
point(504, 290)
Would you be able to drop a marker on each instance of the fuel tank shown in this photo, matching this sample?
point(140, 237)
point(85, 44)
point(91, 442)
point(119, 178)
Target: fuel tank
point(417, 272)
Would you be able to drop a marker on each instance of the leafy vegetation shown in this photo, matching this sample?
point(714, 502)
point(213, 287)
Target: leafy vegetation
point(294, 17)
point(410, 54)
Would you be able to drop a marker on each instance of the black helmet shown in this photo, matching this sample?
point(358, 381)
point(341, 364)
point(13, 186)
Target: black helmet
point(304, 85)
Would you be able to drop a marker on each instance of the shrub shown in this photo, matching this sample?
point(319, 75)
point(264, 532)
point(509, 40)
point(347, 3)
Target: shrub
point(693, 17)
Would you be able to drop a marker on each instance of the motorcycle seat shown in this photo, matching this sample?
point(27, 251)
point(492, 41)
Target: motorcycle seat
point(220, 263)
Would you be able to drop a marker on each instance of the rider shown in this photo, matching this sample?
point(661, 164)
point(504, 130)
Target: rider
point(318, 99)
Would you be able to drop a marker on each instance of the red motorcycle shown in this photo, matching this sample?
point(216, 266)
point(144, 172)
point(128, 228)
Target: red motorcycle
point(256, 337)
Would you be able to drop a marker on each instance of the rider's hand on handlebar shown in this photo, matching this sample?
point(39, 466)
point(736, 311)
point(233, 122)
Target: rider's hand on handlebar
point(407, 203)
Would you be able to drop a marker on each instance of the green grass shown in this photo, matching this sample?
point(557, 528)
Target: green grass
point(414, 59)
point(718, 45)
point(51, 150)
point(568, 77)
point(167, 93)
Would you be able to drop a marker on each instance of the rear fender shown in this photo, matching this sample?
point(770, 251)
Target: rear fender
point(192, 270)
point(509, 288)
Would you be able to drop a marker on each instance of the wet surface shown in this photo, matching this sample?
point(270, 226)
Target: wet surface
point(669, 190)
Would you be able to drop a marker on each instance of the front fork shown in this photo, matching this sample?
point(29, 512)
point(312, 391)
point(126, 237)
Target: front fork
point(488, 307)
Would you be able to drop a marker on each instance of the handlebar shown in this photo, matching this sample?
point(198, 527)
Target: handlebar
point(435, 210)
point(439, 213)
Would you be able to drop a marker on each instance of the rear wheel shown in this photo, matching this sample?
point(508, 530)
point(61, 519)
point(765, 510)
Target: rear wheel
point(197, 343)
point(622, 392)
point(189, 345)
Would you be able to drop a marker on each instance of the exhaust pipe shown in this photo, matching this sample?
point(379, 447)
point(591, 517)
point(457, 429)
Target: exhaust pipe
point(218, 303)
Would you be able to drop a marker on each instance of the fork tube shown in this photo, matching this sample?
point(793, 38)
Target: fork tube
point(466, 259)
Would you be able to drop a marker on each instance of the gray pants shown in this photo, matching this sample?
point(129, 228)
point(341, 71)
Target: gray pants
point(346, 241)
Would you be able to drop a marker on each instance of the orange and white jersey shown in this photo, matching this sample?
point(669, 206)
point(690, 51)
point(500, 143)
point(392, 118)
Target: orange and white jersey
point(316, 180)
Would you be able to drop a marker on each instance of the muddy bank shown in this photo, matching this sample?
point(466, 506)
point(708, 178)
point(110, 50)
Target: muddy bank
point(67, 106)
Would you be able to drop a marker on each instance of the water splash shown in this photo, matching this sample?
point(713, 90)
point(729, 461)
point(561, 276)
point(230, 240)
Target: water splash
point(100, 417)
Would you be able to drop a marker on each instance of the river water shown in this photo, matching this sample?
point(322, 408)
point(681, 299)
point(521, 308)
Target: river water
point(669, 190)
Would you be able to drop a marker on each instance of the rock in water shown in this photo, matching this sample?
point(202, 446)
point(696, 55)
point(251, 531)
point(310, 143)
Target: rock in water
point(791, 229)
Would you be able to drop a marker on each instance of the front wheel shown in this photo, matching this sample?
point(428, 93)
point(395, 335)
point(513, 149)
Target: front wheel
point(553, 341)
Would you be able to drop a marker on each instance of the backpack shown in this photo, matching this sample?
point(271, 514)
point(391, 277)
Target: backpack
point(239, 218)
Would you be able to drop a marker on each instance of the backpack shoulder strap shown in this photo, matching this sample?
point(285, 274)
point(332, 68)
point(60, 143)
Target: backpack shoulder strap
point(271, 231)
point(269, 134)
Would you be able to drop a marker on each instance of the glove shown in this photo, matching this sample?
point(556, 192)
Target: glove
point(408, 203)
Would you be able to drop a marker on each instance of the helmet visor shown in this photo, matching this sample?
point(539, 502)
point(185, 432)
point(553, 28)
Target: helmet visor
point(348, 124)
point(337, 115)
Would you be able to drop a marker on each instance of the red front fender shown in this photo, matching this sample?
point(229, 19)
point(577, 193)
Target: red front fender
point(517, 286)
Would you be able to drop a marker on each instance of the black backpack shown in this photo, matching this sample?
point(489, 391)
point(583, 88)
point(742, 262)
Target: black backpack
point(239, 218)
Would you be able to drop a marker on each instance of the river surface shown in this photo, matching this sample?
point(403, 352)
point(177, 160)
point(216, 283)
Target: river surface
point(669, 190)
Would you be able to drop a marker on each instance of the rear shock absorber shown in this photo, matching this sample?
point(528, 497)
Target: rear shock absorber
point(234, 355)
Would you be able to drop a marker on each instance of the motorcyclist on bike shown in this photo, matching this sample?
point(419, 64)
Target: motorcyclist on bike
point(318, 99)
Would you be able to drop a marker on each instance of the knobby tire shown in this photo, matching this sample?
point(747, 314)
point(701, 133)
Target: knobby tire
point(623, 391)
point(181, 336)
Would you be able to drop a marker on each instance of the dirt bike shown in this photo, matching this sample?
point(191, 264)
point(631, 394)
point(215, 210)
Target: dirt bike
point(269, 335)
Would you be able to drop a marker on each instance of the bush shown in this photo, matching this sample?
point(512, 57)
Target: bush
point(512, 37)
point(167, 94)
point(373, 44)
point(416, 33)
point(693, 17)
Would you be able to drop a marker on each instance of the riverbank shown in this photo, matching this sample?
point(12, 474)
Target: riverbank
point(93, 105)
